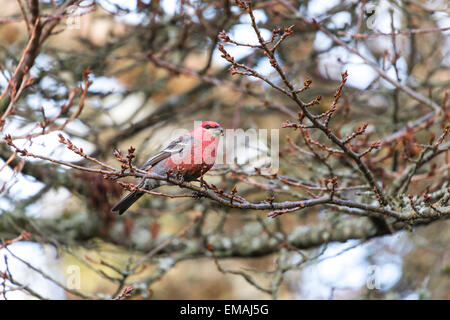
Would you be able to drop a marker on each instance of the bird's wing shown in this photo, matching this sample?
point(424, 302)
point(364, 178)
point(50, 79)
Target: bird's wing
point(176, 146)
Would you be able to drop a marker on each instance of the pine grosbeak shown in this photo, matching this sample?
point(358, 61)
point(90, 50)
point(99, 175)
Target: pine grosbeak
point(186, 158)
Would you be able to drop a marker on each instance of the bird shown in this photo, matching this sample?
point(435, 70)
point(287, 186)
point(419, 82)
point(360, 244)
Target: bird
point(187, 158)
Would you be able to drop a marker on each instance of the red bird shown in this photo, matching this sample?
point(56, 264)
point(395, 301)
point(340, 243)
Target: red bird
point(187, 157)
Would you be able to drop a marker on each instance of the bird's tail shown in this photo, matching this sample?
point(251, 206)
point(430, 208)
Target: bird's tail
point(126, 202)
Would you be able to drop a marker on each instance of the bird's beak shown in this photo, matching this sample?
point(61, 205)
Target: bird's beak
point(218, 131)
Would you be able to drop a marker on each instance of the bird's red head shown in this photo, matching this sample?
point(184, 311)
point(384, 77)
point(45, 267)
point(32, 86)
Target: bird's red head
point(208, 130)
point(210, 125)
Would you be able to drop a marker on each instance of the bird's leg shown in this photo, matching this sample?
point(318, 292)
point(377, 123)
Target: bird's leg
point(180, 177)
point(204, 185)
point(198, 195)
point(180, 181)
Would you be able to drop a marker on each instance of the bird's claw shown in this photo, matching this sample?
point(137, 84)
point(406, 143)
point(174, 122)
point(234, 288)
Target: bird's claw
point(180, 181)
point(198, 195)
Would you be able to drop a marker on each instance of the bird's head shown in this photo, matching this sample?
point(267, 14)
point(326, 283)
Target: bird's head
point(213, 128)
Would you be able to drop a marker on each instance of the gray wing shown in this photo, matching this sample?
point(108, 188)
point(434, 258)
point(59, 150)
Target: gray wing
point(176, 146)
